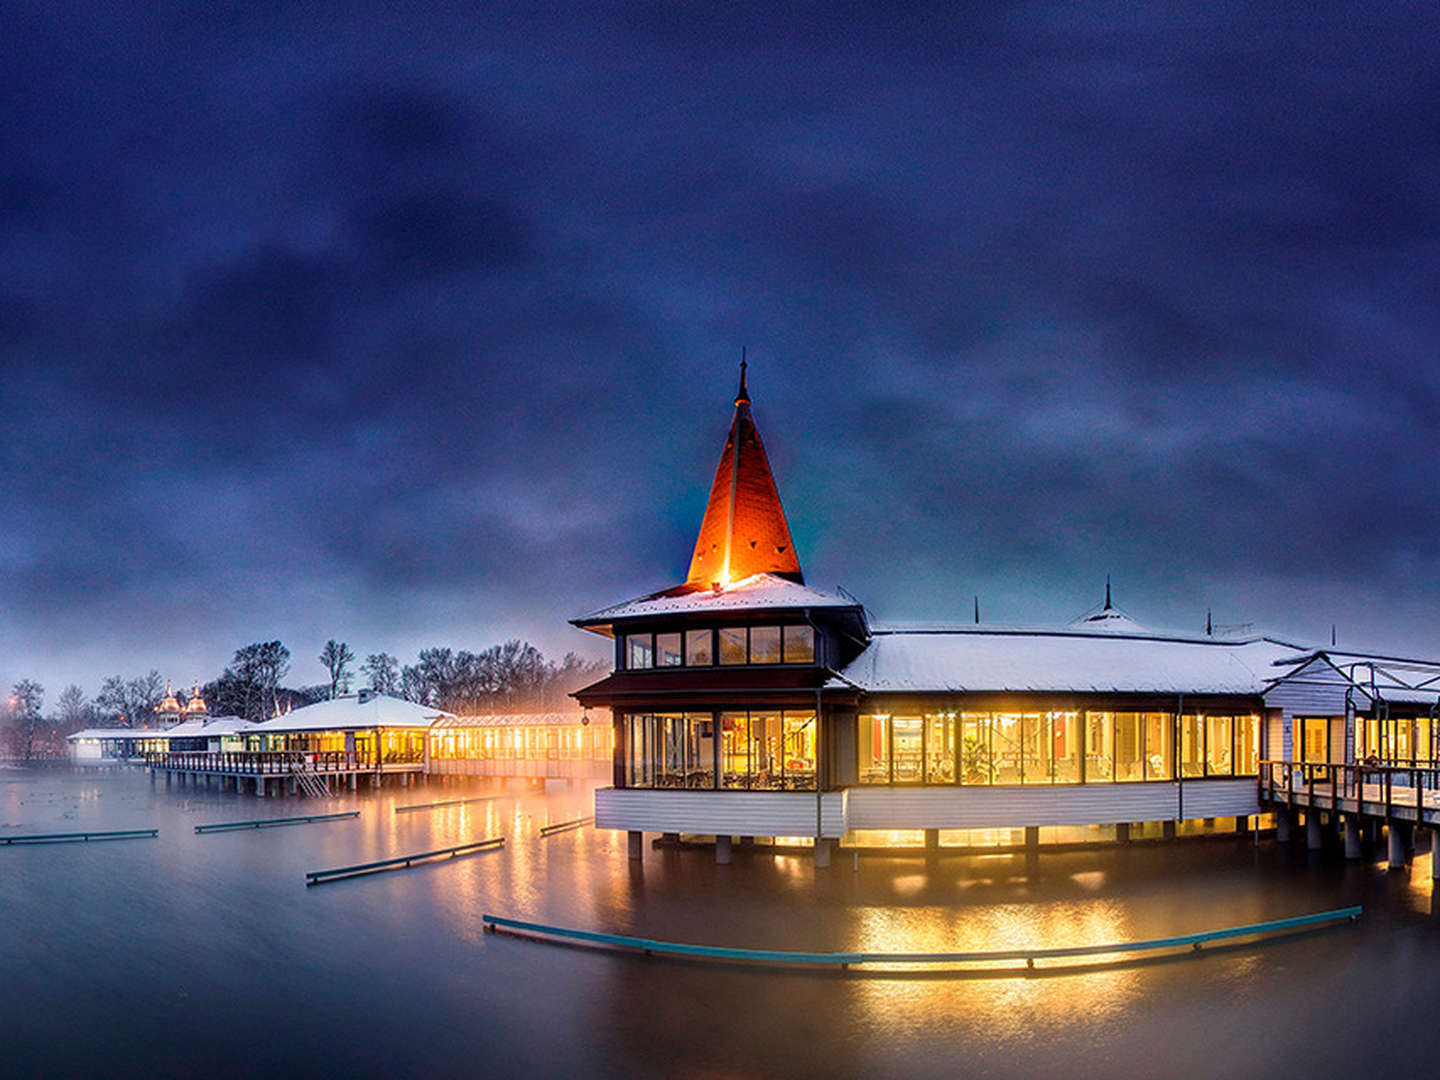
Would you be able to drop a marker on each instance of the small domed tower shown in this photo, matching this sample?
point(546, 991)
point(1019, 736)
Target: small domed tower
point(195, 708)
point(168, 711)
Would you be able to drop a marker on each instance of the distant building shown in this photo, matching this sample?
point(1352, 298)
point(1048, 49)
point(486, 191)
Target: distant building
point(749, 704)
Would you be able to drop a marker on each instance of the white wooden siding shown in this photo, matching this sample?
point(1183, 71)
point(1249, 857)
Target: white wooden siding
point(1317, 689)
point(1221, 798)
point(720, 813)
point(1012, 807)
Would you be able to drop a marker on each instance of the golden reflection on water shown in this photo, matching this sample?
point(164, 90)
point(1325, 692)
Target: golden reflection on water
point(1006, 1003)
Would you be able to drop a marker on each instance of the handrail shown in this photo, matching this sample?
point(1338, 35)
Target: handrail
point(320, 877)
point(272, 823)
point(495, 923)
point(565, 826)
point(80, 837)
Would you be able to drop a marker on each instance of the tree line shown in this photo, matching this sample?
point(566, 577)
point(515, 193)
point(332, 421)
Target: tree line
point(510, 677)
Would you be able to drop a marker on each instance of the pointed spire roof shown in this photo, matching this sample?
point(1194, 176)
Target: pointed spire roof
point(744, 531)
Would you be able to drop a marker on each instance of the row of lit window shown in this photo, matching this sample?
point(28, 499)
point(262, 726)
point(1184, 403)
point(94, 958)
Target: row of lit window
point(757, 750)
point(594, 742)
point(792, 644)
point(1053, 747)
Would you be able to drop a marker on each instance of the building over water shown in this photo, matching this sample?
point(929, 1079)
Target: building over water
point(749, 704)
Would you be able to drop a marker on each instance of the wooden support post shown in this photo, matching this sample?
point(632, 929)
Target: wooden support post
point(1351, 828)
point(1282, 826)
point(259, 787)
point(822, 853)
point(1242, 825)
point(670, 839)
point(354, 781)
point(1434, 855)
point(636, 842)
point(1397, 845)
point(722, 850)
point(1314, 835)
point(1122, 832)
point(932, 840)
point(1032, 838)
point(1167, 829)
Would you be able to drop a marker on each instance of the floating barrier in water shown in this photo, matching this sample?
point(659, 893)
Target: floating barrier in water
point(400, 862)
point(541, 931)
point(80, 837)
point(274, 823)
point(565, 826)
point(449, 802)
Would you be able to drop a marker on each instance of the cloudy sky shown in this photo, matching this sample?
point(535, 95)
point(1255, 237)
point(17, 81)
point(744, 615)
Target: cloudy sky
point(417, 324)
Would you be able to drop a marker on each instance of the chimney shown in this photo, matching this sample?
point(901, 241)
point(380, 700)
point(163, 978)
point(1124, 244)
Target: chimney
point(364, 696)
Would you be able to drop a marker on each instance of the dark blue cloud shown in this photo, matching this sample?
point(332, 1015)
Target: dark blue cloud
point(419, 325)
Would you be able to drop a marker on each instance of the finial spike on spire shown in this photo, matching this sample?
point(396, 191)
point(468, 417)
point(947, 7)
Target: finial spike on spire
point(1107, 592)
point(743, 397)
point(977, 609)
point(1209, 627)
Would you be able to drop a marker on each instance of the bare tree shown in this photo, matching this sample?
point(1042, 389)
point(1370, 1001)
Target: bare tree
point(130, 703)
point(336, 656)
point(26, 697)
point(74, 709)
point(383, 670)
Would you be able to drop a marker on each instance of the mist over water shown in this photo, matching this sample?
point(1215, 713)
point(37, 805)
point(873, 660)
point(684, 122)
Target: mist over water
point(191, 955)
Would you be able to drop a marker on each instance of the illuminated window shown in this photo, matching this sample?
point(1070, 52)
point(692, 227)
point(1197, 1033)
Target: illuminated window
point(764, 645)
point(670, 769)
point(1065, 747)
point(1192, 747)
point(1099, 747)
point(799, 645)
point(1159, 746)
point(767, 744)
point(1217, 746)
point(1006, 744)
point(1129, 747)
point(940, 748)
point(799, 763)
point(699, 750)
point(639, 651)
point(1315, 739)
point(699, 652)
point(1035, 759)
point(667, 650)
point(907, 749)
point(976, 762)
point(1247, 745)
point(732, 645)
point(873, 745)
point(734, 749)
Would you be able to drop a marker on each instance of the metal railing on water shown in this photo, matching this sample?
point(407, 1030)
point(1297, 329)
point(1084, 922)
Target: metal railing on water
point(647, 946)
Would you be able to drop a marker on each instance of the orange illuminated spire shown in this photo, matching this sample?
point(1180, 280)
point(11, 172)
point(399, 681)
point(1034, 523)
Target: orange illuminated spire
point(744, 531)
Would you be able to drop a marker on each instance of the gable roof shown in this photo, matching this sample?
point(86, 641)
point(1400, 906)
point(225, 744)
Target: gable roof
point(353, 711)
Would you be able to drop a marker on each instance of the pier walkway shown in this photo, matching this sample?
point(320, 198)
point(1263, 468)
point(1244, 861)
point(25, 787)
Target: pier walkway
point(317, 774)
point(1355, 801)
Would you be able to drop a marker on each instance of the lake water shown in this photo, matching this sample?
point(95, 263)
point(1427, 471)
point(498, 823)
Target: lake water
point(206, 955)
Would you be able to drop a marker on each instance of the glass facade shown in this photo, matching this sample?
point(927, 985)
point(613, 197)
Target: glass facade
point(792, 643)
point(757, 750)
point(1054, 747)
point(1403, 740)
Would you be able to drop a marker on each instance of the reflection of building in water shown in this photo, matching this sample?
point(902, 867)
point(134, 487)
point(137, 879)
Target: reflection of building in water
point(564, 745)
point(747, 703)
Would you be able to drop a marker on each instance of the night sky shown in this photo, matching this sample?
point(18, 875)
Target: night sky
point(417, 324)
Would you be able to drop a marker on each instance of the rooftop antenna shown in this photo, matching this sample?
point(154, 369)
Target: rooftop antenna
point(1209, 627)
point(1332, 635)
point(977, 609)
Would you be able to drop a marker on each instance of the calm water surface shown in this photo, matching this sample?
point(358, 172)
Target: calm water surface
point(207, 956)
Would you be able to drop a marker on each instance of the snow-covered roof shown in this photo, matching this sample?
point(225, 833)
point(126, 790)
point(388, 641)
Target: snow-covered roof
point(353, 711)
point(755, 592)
point(1107, 618)
point(538, 719)
point(981, 659)
point(210, 727)
point(119, 733)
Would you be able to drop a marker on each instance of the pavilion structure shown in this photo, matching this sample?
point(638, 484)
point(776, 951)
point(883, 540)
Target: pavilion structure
point(748, 705)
